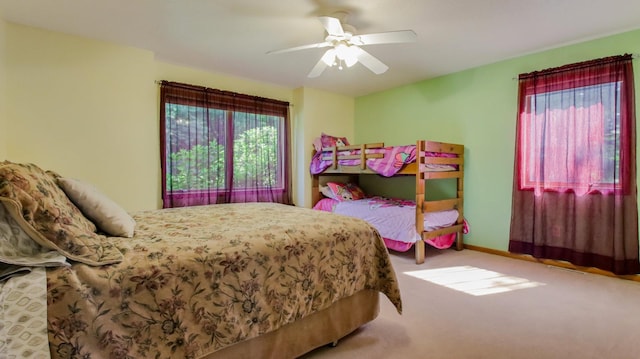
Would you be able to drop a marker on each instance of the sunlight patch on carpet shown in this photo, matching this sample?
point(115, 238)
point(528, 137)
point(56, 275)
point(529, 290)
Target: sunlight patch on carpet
point(473, 280)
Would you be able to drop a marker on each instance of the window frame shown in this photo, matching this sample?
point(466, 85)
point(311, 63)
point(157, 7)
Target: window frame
point(564, 79)
point(208, 99)
point(528, 163)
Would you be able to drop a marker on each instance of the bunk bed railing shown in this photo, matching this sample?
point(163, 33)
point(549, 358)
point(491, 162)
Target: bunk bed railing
point(338, 153)
point(457, 228)
point(442, 205)
point(443, 160)
point(441, 175)
point(433, 146)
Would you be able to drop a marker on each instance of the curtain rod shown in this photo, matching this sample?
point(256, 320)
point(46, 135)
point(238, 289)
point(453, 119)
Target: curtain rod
point(188, 86)
point(633, 57)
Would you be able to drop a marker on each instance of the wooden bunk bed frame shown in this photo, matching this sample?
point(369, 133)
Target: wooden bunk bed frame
point(411, 169)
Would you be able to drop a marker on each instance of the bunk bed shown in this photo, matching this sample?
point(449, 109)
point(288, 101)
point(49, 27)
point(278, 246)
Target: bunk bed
point(427, 160)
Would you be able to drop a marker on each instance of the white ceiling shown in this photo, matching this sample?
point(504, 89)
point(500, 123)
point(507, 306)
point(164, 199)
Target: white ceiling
point(234, 36)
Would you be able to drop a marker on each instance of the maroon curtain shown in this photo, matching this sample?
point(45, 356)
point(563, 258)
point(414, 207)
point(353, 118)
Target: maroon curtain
point(222, 147)
point(574, 187)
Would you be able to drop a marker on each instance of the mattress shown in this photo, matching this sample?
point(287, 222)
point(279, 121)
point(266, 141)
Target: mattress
point(394, 219)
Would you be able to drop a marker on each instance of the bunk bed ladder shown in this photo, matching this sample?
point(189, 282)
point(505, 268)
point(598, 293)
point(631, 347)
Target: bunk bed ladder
point(423, 205)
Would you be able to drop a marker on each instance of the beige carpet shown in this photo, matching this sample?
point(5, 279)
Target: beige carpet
point(470, 304)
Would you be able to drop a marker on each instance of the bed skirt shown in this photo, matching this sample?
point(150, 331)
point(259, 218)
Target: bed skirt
point(304, 335)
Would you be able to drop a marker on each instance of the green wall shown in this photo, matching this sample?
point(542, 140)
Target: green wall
point(477, 108)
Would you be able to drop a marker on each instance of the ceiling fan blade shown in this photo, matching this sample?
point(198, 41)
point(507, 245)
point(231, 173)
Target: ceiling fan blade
point(318, 69)
point(369, 61)
point(332, 25)
point(384, 37)
point(303, 47)
point(327, 60)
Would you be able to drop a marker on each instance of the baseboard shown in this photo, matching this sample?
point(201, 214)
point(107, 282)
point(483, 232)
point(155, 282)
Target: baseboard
point(552, 262)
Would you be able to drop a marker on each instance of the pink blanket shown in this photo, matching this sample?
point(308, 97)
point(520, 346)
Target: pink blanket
point(394, 158)
point(395, 220)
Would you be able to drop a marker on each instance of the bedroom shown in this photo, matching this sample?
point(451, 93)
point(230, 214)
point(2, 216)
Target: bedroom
point(127, 128)
point(100, 124)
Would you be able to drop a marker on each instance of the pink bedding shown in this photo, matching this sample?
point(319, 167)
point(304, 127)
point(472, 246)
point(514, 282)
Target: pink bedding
point(394, 219)
point(395, 157)
point(393, 160)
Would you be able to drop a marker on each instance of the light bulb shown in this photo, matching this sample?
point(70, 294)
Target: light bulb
point(329, 57)
point(342, 50)
point(347, 53)
point(350, 61)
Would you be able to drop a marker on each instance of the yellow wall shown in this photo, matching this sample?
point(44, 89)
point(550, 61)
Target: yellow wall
point(85, 109)
point(170, 72)
point(321, 112)
point(89, 109)
point(3, 87)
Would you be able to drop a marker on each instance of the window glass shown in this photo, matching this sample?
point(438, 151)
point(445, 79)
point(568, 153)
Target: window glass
point(200, 142)
point(571, 138)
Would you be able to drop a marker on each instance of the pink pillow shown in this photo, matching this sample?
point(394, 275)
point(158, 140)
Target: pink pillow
point(345, 192)
point(325, 204)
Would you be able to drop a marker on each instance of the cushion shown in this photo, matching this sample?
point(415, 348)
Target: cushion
point(326, 204)
point(345, 191)
point(35, 201)
point(330, 141)
point(326, 191)
point(105, 213)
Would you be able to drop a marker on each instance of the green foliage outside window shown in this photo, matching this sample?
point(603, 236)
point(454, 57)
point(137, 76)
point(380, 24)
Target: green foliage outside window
point(198, 168)
point(255, 162)
point(255, 157)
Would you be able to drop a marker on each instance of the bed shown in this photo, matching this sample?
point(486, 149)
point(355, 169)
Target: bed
point(440, 223)
point(220, 281)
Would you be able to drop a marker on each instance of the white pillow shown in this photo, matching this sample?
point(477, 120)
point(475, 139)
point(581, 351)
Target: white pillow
point(105, 213)
point(327, 192)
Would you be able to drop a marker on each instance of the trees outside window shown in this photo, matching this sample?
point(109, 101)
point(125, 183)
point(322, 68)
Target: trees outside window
point(221, 147)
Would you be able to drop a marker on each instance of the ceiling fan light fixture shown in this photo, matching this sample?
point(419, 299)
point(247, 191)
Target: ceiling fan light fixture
point(329, 57)
point(342, 50)
point(346, 53)
point(350, 60)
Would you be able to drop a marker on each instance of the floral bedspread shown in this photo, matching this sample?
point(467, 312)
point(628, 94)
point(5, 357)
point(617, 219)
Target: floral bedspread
point(197, 279)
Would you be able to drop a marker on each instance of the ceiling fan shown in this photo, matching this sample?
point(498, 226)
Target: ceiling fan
point(345, 46)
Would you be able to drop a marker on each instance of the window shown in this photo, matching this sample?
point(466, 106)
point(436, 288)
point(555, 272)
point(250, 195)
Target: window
point(255, 140)
point(574, 185)
point(571, 133)
point(222, 147)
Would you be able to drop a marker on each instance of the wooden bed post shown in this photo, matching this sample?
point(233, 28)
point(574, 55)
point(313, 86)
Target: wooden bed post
point(420, 251)
point(315, 190)
point(460, 194)
point(420, 245)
